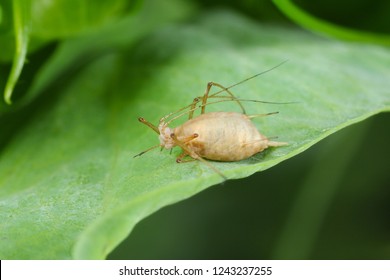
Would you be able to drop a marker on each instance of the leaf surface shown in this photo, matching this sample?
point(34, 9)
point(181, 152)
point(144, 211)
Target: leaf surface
point(22, 26)
point(69, 185)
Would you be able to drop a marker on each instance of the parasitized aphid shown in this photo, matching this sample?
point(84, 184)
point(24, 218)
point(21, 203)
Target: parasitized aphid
point(218, 136)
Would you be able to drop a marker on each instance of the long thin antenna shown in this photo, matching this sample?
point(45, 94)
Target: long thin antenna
point(151, 148)
point(213, 96)
point(254, 76)
point(219, 101)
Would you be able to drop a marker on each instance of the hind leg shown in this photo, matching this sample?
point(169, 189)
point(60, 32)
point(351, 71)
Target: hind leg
point(188, 151)
point(224, 89)
point(207, 95)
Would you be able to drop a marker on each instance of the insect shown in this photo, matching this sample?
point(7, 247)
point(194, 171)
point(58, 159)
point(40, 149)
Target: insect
point(217, 136)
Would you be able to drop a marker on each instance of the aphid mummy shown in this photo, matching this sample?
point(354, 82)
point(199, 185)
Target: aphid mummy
point(218, 136)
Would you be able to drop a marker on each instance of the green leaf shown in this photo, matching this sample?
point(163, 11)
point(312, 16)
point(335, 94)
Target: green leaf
point(315, 24)
point(63, 18)
point(73, 54)
point(57, 19)
point(7, 38)
point(40, 22)
point(22, 25)
point(69, 186)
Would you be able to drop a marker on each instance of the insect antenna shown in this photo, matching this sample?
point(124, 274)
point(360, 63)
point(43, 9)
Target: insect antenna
point(250, 78)
point(219, 101)
point(232, 98)
point(151, 148)
point(176, 112)
point(247, 100)
point(261, 115)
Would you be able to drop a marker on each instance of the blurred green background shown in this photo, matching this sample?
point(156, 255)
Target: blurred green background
point(330, 202)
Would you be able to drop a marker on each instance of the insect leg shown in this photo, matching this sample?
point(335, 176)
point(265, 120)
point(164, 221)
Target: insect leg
point(179, 159)
point(192, 109)
point(187, 139)
point(184, 141)
point(212, 167)
point(187, 151)
point(206, 96)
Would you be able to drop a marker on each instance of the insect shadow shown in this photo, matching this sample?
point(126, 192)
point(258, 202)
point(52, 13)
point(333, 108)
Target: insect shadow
point(217, 136)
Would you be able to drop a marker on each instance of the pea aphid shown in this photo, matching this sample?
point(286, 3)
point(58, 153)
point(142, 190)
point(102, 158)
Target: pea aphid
point(217, 136)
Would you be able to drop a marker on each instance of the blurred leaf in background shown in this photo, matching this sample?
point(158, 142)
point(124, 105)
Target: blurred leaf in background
point(322, 26)
point(357, 14)
point(70, 189)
